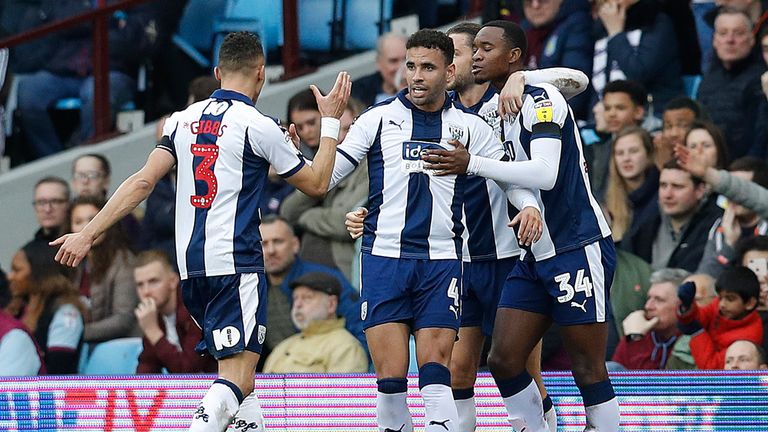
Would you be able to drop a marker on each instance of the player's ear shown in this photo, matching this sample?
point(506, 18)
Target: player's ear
point(451, 72)
point(515, 55)
point(217, 73)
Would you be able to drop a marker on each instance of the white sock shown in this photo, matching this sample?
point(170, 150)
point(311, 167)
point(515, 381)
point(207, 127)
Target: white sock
point(249, 417)
point(523, 402)
point(217, 408)
point(603, 417)
point(440, 413)
point(465, 406)
point(392, 413)
point(550, 415)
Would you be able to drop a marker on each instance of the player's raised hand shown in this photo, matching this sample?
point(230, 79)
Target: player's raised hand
point(529, 225)
point(294, 136)
point(74, 247)
point(335, 102)
point(511, 96)
point(446, 162)
point(354, 222)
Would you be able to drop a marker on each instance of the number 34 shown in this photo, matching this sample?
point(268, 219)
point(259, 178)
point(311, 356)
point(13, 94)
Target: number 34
point(582, 285)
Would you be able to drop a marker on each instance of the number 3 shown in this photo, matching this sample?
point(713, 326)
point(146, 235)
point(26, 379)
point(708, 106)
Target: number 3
point(203, 172)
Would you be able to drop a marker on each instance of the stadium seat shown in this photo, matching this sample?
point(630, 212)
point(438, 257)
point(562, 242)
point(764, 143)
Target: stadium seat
point(691, 85)
point(364, 22)
point(115, 357)
point(196, 29)
point(316, 19)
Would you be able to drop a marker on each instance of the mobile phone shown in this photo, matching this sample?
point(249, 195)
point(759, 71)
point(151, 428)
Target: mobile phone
point(759, 266)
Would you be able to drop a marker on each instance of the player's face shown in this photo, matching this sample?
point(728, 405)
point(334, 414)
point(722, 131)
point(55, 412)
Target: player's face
point(89, 178)
point(155, 281)
point(307, 126)
point(756, 255)
point(81, 215)
point(700, 140)
point(620, 111)
point(630, 156)
point(662, 303)
point(742, 355)
point(491, 58)
point(678, 196)
point(20, 275)
point(462, 60)
point(427, 74)
point(677, 123)
point(309, 306)
point(51, 205)
point(280, 247)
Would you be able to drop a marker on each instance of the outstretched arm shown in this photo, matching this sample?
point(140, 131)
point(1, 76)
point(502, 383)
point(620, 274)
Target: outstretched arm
point(570, 82)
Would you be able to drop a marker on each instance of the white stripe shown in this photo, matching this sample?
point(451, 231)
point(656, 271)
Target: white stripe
point(597, 272)
point(4, 54)
point(249, 302)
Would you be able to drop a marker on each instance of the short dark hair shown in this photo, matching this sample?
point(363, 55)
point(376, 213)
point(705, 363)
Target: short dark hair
point(105, 165)
point(432, 39)
point(468, 28)
point(201, 87)
point(684, 102)
point(514, 35)
point(274, 218)
point(674, 164)
point(739, 280)
point(633, 89)
point(301, 101)
point(755, 165)
point(57, 180)
point(717, 136)
point(747, 244)
point(240, 50)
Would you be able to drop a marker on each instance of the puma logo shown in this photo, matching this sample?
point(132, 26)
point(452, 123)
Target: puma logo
point(582, 306)
point(399, 126)
point(200, 414)
point(401, 427)
point(455, 311)
point(442, 423)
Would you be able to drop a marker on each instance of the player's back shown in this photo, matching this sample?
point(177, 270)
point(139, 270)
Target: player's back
point(572, 216)
point(223, 147)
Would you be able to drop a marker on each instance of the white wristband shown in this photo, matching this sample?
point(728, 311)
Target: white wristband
point(474, 165)
point(329, 128)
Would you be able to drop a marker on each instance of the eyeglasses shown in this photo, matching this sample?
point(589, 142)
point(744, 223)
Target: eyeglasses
point(90, 176)
point(43, 203)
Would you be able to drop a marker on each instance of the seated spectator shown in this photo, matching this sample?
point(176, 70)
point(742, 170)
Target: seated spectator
point(676, 237)
point(169, 332)
point(707, 139)
point(105, 278)
point(631, 196)
point(323, 345)
point(629, 292)
point(68, 71)
point(737, 222)
point(681, 358)
point(322, 221)
point(559, 33)
point(52, 311)
point(382, 84)
point(678, 116)
point(283, 266)
point(730, 90)
point(51, 203)
point(304, 116)
point(652, 331)
point(20, 354)
point(732, 316)
point(636, 41)
point(745, 355)
point(752, 253)
point(623, 106)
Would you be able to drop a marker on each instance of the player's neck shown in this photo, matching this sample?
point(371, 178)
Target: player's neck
point(472, 95)
point(435, 106)
point(499, 83)
point(241, 85)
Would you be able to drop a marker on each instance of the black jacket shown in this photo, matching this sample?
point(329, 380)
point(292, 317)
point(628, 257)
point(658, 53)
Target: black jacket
point(366, 88)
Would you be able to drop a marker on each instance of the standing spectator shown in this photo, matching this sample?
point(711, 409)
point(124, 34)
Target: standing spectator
point(105, 278)
point(745, 355)
point(323, 344)
point(51, 203)
point(676, 237)
point(678, 116)
point(637, 42)
point(382, 84)
point(169, 332)
point(559, 33)
point(52, 311)
point(21, 355)
point(304, 116)
point(738, 222)
point(730, 90)
point(731, 317)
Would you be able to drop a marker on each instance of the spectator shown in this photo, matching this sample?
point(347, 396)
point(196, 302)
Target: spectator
point(732, 316)
point(705, 288)
point(322, 221)
point(559, 33)
point(382, 84)
point(51, 203)
point(105, 279)
point(20, 354)
point(745, 355)
point(169, 332)
point(276, 190)
point(68, 70)
point(680, 12)
point(623, 106)
point(676, 237)
point(652, 332)
point(52, 311)
point(283, 266)
point(737, 222)
point(707, 139)
point(730, 90)
point(629, 293)
point(681, 357)
point(305, 117)
point(678, 116)
point(636, 41)
point(323, 344)
point(753, 253)
point(631, 197)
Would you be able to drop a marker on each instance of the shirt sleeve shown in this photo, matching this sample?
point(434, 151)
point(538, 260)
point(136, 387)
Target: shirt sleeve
point(19, 354)
point(355, 146)
point(271, 142)
point(66, 328)
point(169, 132)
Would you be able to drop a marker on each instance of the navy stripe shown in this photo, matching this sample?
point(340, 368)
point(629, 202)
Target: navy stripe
point(347, 156)
point(477, 206)
point(195, 252)
point(246, 245)
point(545, 135)
point(376, 190)
point(457, 203)
point(295, 169)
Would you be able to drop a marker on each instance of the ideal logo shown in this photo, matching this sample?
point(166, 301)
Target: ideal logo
point(412, 149)
point(226, 338)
